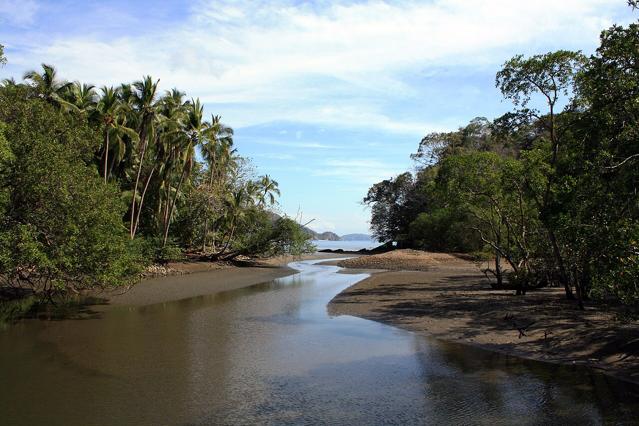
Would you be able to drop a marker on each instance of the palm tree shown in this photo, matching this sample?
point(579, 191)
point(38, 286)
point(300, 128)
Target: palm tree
point(172, 138)
point(143, 100)
point(218, 145)
point(83, 96)
point(218, 152)
point(112, 112)
point(194, 128)
point(49, 86)
point(9, 82)
point(237, 204)
point(268, 188)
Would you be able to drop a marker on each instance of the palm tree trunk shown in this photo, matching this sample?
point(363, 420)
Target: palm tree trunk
point(226, 245)
point(172, 207)
point(137, 218)
point(111, 165)
point(135, 190)
point(206, 218)
point(106, 154)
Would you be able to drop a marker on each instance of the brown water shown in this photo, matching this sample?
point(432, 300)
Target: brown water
point(270, 354)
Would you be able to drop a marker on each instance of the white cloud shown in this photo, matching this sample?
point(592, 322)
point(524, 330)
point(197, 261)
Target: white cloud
point(275, 156)
point(362, 172)
point(18, 12)
point(298, 145)
point(325, 63)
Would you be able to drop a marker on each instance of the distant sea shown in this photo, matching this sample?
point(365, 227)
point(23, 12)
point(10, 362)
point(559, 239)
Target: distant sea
point(345, 245)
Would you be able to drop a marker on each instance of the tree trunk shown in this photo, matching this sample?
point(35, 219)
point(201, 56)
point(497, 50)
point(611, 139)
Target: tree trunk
point(106, 155)
point(111, 165)
point(579, 290)
point(206, 219)
point(171, 208)
point(498, 271)
point(228, 241)
point(135, 191)
point(563, 275)
point(146, 186)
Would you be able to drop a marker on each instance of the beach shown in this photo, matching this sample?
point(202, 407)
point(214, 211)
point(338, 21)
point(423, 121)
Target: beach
point(449, 298)
point(192, 279)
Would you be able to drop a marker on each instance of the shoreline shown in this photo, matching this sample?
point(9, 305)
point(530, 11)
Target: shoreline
point(452, 301)
point(194, 279)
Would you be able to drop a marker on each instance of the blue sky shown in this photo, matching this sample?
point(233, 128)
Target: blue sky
point(326, 97)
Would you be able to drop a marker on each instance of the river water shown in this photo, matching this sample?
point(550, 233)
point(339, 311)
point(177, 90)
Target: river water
point(345, 245)
point(270, 354)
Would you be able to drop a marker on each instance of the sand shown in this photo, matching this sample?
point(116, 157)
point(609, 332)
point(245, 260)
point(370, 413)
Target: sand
point(192, 279)
point(450, 299)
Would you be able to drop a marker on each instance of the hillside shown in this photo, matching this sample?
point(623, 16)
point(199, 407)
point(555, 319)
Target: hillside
point(329, 236)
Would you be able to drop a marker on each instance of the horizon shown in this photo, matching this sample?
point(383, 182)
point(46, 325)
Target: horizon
point(313, 101)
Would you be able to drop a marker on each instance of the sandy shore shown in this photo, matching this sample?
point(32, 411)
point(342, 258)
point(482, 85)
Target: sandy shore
point(192, 279)
point(449, 298)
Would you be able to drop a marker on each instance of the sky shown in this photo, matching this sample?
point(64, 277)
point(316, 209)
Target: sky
point(327, 97)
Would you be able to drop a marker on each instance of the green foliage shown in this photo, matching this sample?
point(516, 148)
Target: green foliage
point(550, 191)
point(163, 253)
point(394, 205)
point(288, 237)
point(550, 75)
point(96, 184)
point(62, 229)
point(265, 235)
point(443, 229)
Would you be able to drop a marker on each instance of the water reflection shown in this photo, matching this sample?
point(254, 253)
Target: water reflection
point(271, 354)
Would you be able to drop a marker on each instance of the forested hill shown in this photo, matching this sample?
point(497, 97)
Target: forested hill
point(551, 193)
point(331, 236)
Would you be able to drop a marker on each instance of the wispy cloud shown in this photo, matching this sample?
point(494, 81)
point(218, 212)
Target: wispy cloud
point(372, 75)
point(275, 156)
point(298, 145)
point(18, 12)
point(362, 172)
point(333, 62)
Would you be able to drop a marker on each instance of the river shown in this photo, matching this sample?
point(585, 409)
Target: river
point(270, 354)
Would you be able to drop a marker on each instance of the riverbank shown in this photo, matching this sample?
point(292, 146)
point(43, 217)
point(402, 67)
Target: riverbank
point(182, 280)
point(450, 299)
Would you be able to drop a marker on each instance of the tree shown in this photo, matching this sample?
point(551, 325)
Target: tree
point(50, 87)
point(194, 129)
point(111, 112)
point(601, 206)
point(394, 205)
point(218, 153)
point(434, 147)
point(82, 96)
point(492, 189)
point(550, 76)
point(144, 147)
point(62, 227)
point(267, 189)
point(143, 99)
point(267, 236)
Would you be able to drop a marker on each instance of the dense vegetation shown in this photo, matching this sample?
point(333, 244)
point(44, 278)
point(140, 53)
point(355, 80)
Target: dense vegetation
point(96, 184)
point(550, 189)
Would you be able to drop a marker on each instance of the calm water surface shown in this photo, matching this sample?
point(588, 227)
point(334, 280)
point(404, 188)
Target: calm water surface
point(270, 354)
point(345, 245)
